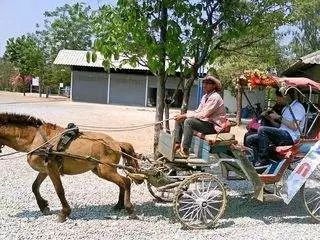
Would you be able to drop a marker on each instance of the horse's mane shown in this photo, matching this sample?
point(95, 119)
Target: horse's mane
point(21, 119)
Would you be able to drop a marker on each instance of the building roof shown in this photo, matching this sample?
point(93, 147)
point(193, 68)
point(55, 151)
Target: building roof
point(312, 58)
point(303, 63)
point(79, 58)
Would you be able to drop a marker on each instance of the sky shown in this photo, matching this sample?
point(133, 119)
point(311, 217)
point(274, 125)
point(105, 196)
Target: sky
point(18, 17)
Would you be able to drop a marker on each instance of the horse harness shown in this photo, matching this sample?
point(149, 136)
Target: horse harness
point(47, 151)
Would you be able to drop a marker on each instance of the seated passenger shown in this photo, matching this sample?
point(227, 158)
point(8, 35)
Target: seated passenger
point(264, 118)
point(209, 118)
point(292, 120)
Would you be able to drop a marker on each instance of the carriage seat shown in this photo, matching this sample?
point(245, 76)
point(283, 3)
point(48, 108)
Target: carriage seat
point(217, 139)
point(274, 172)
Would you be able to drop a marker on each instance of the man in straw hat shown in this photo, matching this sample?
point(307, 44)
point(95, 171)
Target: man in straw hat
point(209, 117)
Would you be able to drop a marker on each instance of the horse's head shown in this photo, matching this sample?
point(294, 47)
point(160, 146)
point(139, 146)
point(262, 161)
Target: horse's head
point(17, 130)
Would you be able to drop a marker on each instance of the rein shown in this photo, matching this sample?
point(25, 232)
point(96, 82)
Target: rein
point(117, 129)
point(33, 150)
point(88, 158)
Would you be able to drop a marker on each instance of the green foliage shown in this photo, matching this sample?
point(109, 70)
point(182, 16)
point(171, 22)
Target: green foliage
point(230, 27)
point(132, 29)
point(53, 75)
point(306, 27)
point(67, 27)
point(229, 35)
point(7, 71)
point(25, 54)
point(265, 55)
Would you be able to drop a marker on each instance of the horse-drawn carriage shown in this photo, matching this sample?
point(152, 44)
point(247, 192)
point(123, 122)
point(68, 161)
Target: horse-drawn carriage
point(197, 188)
point(194, 185)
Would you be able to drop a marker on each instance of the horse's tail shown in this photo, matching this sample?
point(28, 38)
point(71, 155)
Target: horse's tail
point(129, 155)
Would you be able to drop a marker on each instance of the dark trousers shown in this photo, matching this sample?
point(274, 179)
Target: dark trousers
point(260, 142)
point(187, 127)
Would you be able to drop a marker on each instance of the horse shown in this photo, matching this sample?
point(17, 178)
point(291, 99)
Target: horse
point(25, 133)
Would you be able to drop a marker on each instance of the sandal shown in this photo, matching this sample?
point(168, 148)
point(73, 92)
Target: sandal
point(181, 154)
point(176, 147)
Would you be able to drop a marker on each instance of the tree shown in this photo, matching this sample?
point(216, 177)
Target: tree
point(7, 71)
point(145, 33)
point(305, 27)
point(264, 56)
point(67, 27)
point(167, 35)
point(226, 28)
point(25, 54)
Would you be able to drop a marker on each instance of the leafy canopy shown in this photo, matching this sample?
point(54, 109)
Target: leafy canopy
point(25, 54)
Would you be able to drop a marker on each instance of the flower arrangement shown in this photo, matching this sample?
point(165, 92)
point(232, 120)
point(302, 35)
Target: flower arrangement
point(256, 78)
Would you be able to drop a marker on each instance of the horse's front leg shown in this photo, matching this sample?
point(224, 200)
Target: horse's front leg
point(53, 172)
point(42, 203)
point(127, 203)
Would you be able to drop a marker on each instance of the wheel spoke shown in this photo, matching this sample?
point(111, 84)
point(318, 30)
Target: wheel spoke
point(213, 196)
point(197, 215)
point(212, 202)
point(202, 186)
point(188, 195)
point(188, 213)
point(186, 202)
point(316, 208)
point(217, 209)
point(186, 208)
point(209, 213)
point(209, 185)
point(198, 191)
point(314, 198)
point(204, 214)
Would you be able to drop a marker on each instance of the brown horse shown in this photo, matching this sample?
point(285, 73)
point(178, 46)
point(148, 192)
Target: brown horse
point(25, 133)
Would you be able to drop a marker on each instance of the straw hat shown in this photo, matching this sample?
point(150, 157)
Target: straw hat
point(214, 80)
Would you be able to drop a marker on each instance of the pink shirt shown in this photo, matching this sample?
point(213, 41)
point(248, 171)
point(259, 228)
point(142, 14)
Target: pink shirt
point(211, 109)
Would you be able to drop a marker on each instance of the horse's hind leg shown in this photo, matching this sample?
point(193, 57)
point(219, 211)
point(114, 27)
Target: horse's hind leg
point(42, 203)
point(120, 203)
point(54, 175)
point(111, 174)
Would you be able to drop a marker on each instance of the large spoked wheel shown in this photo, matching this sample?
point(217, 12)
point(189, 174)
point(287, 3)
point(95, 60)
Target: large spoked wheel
point(200, 201)
point(311, 194)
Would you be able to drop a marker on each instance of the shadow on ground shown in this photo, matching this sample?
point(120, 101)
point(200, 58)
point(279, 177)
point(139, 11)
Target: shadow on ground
point(237, 207)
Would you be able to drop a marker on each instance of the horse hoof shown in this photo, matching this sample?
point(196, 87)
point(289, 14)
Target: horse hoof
point(61, 218)
point(117, 207)
point(133, 216)
point(46, 211)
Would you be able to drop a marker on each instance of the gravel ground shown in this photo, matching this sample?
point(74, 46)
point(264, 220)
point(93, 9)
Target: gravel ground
point(91, 198)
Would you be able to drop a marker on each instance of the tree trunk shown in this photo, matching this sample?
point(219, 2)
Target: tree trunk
point(239, 103)
point(162, 76)
point(159, 111)
point(40, 88)
point(186, 92)
point(166, 116)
